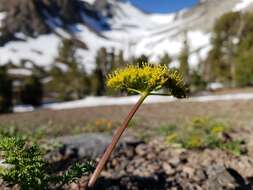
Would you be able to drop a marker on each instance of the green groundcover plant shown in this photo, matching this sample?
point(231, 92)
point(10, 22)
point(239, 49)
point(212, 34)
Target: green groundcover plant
point(22, 163)
point(144, 79)
point(201, 133)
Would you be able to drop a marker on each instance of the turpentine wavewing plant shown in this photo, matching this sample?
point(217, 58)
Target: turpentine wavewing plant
point(144, 79)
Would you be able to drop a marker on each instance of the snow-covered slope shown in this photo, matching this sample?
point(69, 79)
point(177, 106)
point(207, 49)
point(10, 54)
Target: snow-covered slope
point(121, 26)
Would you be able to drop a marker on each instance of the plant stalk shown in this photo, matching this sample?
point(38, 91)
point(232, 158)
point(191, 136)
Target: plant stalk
point(115, 140)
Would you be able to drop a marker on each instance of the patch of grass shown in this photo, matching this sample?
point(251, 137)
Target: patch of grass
point(200, 133)
point(37, 136)
point(98, 126)
point(166, 129)
point(14, 131)
point(234, 147)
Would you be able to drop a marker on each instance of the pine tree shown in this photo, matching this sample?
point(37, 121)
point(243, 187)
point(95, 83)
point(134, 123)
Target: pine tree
point(32, 91)
point(244, 68)
point(102, 61)
point(98, 77)
point(69, 76)
point(120, 59)
point(243, 58)
point(140, 60)
point(165, 59)
point(5, 91)
point(112, 61)
point(229, 60)
point(183, 61)
point(226, 32)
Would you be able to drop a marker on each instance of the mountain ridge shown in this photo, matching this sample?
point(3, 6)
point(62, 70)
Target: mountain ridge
point(31, 26)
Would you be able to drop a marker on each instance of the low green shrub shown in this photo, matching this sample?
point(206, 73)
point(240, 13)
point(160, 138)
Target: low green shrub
point(23, 164)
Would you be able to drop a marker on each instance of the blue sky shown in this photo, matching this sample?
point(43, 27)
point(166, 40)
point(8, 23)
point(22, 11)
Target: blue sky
point(163, 6)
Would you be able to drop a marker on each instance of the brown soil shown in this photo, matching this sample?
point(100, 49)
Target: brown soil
point(64, 122)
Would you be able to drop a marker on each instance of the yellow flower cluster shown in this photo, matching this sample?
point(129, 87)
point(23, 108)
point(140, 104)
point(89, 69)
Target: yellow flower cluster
point(147, 78)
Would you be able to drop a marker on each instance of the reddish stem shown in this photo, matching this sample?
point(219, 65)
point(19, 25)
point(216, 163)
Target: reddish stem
point(115, 140)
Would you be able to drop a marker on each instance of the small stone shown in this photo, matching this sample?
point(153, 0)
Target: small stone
point(152, 167)
point(183, 157)
point(164, 155)
point(174, 162)
point(130, 153)
point(189, 171)
point(151, 156)
point(228, 179)
point(130, 169)
point(168, 169)
point(199, 175)
point(141, 149)
point(138, 161)
point(212, 170)
point(114, 162)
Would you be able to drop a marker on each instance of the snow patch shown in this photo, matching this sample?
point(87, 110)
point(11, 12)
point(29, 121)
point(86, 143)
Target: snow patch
point(91, 2)
point(130, 100)
point(198, 39)
point(242, 5)
point(215, 86)
point(163, 18)
point(23, 72)
point(41, 50)
point(23, 108)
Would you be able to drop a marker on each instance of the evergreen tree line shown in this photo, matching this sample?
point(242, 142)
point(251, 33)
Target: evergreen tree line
point(69, 79)
point(30, 91)
point(65, 80)
point(230, 60)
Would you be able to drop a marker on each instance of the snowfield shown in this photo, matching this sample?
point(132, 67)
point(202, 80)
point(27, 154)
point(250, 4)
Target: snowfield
point(41, 50)
point(129, 100)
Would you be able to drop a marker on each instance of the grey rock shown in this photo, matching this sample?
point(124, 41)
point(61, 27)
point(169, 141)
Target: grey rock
point(174, 161)
point(213, 170)
point(189, 171)
point(228, 179)
point(85, 145)
point(200, 175)
point(141, 149)
point(168, 169)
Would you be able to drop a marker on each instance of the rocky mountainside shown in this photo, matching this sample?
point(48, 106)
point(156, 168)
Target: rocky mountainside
point(31, 30)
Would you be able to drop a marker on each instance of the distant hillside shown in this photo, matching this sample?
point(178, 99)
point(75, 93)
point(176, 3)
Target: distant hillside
point(32, 29)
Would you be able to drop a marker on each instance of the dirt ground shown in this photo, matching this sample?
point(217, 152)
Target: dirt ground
point(150, 116)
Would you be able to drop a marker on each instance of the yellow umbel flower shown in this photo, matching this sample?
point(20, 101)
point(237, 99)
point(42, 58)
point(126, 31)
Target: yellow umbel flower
point(147, 78)
point(144, 80)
